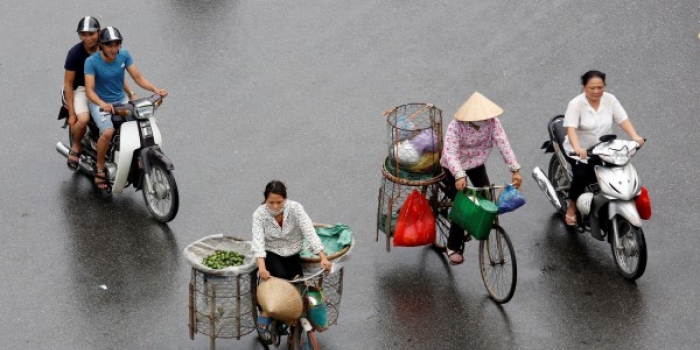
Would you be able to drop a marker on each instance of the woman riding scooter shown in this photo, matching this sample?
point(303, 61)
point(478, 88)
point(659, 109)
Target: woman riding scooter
point(588, 117)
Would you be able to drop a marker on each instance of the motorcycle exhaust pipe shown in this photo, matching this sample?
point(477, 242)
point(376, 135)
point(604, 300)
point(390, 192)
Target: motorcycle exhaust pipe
point(546, 186)
point(62, 149)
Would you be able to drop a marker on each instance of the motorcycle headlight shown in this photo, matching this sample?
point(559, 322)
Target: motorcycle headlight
point(145, 111)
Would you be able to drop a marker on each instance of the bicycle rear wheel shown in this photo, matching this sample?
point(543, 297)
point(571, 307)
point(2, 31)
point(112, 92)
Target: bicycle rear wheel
point(498, 266)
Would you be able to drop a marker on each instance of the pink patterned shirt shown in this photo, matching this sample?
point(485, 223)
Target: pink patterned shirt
point(467, 148)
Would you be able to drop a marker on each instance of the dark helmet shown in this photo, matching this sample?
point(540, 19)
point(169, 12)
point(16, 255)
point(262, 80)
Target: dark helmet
point(88, 24)
point(110, 34)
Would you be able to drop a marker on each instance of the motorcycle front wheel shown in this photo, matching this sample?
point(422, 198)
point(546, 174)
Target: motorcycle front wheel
point(631, 259)
point(558, 177)
point(161, 196)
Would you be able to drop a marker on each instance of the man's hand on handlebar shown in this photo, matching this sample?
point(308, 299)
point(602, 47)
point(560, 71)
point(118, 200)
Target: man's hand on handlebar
point(161, 92)
point(107, 107)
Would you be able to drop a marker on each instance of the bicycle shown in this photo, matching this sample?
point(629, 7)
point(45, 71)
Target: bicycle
point(300, 334)
point(496, 254)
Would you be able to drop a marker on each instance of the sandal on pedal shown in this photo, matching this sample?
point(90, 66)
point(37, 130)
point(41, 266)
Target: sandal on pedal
point(263, 324)
point(570, 220)
point(454, 257)
point(102, 184)
point(73, 164)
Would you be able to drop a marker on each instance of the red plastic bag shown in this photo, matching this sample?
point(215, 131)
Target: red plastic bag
point(416, 223)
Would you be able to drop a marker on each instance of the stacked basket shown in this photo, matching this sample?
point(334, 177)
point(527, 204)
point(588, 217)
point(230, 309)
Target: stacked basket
point(220, 301)
point(414, 147)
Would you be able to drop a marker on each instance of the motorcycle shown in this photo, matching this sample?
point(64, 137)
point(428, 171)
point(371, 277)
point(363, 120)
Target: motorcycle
point(134, 156)
point(611, 209)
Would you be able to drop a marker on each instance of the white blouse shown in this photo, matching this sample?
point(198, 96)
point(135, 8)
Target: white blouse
point(286, 240)
point(591, 124)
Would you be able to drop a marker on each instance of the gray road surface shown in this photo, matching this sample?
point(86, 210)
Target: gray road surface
point(295, 90)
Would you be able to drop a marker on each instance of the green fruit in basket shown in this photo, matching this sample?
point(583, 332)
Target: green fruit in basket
point(221, 259)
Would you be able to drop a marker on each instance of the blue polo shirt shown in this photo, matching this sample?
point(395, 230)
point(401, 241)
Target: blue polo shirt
point(109, 77)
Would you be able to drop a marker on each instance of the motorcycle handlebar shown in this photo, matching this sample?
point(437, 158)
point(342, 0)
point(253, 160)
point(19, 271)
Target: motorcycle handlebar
point(588, 151)
point(155, 99)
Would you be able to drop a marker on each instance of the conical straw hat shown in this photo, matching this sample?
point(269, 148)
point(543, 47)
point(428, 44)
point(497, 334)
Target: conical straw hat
point(280, 299)
point(478, 107)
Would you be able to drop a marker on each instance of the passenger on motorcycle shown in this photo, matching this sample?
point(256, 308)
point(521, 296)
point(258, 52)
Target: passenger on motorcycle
point(468, 143)
point(74, 84)
point(280, 225)
point(104, 77)
point(589, 116)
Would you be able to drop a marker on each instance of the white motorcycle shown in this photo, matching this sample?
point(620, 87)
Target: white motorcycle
point(134, 156)
point(611, 209)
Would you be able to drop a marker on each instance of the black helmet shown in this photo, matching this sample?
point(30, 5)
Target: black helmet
point(88, 24)
point(110, 34)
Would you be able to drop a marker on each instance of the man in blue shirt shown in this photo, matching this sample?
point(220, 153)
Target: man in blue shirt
point(104, 79)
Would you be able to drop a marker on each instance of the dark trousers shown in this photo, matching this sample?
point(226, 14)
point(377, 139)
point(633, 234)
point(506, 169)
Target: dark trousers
point(477, 178)
point(584, 175)
point(287, 267)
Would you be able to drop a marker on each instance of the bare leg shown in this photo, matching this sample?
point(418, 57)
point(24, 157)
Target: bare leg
point(102, 144)
point(77, 128)
point(570, 213)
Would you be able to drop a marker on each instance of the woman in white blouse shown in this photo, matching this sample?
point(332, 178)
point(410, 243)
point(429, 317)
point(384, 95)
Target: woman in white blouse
point(589, 116)
point(280, 226)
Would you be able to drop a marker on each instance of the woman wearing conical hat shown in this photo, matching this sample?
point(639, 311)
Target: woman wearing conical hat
point(468, 143)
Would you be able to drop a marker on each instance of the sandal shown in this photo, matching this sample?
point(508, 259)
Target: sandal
point(73, 164)
point(263, 324)
point(103, 184)
point(570, 220)
point(454, 257)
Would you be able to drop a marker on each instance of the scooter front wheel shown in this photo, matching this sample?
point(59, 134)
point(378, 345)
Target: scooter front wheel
point(631, 257)
point(161, 195)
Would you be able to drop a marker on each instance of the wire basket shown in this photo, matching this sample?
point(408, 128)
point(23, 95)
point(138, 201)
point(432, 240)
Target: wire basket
point(414, 141)
point(220, 301)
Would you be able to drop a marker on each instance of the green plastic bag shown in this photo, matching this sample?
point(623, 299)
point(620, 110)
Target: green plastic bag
point(473, 213)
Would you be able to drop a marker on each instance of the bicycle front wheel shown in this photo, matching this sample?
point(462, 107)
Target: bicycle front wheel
point(498, 266)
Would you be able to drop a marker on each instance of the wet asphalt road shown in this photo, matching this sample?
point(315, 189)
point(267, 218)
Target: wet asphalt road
point(295, 90)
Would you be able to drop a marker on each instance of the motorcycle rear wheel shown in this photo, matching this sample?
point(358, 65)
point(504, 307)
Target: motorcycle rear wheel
point(557, 176)
point(162, 198)
point(631, 260)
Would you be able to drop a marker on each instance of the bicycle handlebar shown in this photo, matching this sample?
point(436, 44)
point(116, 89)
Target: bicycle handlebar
point(306, 278)
point(497, 187)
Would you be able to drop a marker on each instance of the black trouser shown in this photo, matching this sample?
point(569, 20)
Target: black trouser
point(287, 267)
point(478, 178)
point(584, 175)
